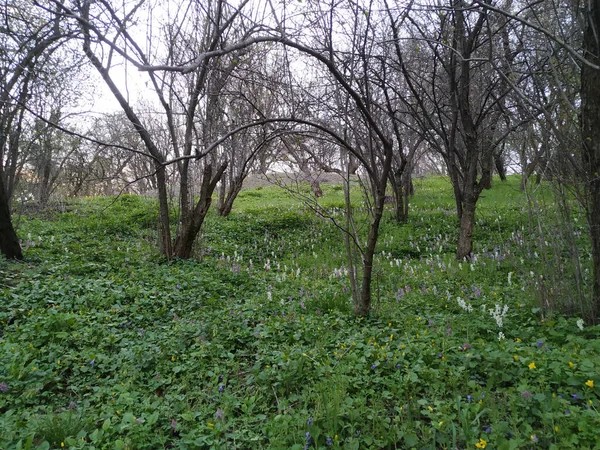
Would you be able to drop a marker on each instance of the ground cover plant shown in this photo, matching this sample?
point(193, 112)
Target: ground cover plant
point(253, 344)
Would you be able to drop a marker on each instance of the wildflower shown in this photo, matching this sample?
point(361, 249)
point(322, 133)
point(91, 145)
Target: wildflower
point(501, 336)
point(373, 366)
point(589, 383)
point(174, 425)
point(309, 421)
point(399, 294)
point(210, 424)
point(580, 324)
point(526, 394)
point(3, 387)
point(567, 413)
point(469, 398)
point(534, 438)
point(221, 388)
point(540, 343)
point(516, 357)
point(498, 314)
point(575, 396)
point(532, 365)
point(488, 429)
point(219, 414)
point(556, 428)
point(481, 444)
point(93, 363)
point(571, 365)
point(72, 405)
point(329, 441)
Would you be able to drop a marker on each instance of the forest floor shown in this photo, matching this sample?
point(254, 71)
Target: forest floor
point(253, 344)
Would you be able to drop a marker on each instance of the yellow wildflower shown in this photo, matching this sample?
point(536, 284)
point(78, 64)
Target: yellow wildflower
point(571, 365)
point(532, 366)
point(589, 383)
point(481, 444)
point(516, 358)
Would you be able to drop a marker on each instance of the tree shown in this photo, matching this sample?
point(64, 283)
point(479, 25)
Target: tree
point(462, 101)
point(27, 42)
point(590, 136)
point(191, 33)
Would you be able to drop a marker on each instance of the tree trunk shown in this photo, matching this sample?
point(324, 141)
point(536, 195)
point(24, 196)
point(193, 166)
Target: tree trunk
point(226, 207)
point(363, 307)
point(164, 223)
point(9, 242)
point(500, 166)
point(184, 243)
point(465, 238)
point(222, 194)
point(590, 133)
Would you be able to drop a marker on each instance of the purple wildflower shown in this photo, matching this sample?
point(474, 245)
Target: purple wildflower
point(540, 343)
point(309, 421)
point(219, 414)
point(329, 441)
point(3, 387)
point(374, 366)
point(174, 425)
point(221, 388)
point(526, 394)
point(399, 294)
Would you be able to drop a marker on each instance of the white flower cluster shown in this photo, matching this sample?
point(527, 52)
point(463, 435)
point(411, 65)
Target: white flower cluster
point(498, 314)
point(464, 305)
point(580, 324)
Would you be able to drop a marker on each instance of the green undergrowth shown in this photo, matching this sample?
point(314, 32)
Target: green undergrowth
point(253, 344)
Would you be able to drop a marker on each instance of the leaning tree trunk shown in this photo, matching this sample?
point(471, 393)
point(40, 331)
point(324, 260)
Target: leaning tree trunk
point(227, 205)
point(9, 242)
point(590, 133)
point(184, 243)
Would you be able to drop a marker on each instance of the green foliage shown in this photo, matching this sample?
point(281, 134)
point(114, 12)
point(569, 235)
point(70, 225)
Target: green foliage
point(103, 344)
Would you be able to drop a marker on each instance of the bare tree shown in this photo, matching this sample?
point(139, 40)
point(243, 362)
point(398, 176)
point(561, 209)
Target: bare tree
point(27, 42)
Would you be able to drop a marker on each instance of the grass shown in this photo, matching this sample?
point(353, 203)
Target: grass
point(253, 345)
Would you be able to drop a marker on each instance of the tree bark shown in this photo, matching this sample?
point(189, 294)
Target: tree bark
point(9, 242)
point(590, 133)
point(164, 223)
point(184, 243)
point(363, 307)
point(227, 205)
point(465, 238)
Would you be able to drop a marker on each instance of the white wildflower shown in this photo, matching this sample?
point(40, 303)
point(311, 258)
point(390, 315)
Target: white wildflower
point(464, 305)
point(501, 336)
point(580, 324)
point(498, 314)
